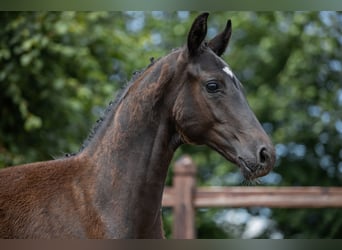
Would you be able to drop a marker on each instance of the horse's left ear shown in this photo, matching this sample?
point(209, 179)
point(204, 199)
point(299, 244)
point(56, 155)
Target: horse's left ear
point(197, 34)
point(220, 42)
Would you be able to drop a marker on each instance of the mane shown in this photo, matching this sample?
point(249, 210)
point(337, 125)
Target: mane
point(112, 106)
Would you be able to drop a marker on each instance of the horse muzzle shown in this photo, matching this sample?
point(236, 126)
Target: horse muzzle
point(261, 165)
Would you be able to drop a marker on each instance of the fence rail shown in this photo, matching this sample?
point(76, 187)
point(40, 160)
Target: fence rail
point(184, 197)
point(290, 197)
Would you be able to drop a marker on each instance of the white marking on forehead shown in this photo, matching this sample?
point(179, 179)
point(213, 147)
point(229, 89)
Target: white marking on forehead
point(228, 71)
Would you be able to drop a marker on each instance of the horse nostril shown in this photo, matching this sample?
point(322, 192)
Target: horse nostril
point(263, 155)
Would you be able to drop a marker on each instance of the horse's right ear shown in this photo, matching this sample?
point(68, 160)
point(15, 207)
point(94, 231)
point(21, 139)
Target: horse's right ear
point(197, 34)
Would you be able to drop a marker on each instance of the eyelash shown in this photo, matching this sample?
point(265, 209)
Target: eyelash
point(213, 86)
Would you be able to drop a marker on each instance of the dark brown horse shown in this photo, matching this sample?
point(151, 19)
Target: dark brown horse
point(113, 187)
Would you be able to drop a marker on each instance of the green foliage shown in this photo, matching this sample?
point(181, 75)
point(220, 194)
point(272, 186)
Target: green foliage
point(58, 70)
point(207, 227)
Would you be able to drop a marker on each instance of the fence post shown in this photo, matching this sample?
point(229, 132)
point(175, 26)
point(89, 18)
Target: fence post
point(184, 182)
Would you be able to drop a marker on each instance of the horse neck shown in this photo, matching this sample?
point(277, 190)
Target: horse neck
point(133, 150)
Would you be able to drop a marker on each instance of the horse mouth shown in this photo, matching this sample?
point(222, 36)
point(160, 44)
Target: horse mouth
point(251, 171)
point(247, 170)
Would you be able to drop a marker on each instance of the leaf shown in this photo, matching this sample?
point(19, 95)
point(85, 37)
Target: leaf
point(32, 123)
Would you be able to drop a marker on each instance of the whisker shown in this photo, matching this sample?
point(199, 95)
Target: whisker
point(251, 182)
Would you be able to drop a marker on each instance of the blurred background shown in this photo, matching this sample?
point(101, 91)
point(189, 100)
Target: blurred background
point(59, 71)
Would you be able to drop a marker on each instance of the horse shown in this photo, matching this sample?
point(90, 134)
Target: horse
point(113, 187)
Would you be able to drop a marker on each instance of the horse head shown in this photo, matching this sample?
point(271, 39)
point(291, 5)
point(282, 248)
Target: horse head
point(211, 108)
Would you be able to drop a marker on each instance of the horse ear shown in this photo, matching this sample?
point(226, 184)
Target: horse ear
point(220, 42)
point(197, 33)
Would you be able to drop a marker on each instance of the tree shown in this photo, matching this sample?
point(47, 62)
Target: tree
point(59, 70)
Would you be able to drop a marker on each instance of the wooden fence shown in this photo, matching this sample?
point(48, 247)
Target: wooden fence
point(184, 197)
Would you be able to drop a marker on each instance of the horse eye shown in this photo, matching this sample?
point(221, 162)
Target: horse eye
point(212, 87)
